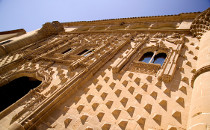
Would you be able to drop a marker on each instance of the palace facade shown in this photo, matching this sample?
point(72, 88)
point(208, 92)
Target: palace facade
point(117, 74)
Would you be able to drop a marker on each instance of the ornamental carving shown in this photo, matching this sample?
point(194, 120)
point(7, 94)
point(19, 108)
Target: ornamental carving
point(201, 24)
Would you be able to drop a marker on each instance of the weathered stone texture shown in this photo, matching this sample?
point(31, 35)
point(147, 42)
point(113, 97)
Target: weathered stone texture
point(95, 75)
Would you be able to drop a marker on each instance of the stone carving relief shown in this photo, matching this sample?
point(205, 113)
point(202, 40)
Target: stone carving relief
point(201, 24)
point(160, 44)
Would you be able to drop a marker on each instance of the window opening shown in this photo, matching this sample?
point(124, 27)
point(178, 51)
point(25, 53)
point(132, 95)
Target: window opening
point(88, 52)
point(146, 57)
point(151, 57)
point(66, 51)
point(1, 43)
point(84, 51)
point(15, 90)
point(159, 58)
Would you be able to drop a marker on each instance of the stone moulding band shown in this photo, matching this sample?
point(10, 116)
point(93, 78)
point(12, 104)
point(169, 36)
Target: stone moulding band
point(199, 72)
point(185, 31)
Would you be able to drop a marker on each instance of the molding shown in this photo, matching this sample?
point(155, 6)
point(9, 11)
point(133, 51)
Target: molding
point(177, 17)
point(199, 72)
point(182, 31)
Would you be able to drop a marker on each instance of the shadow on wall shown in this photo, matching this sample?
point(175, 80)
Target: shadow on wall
point(177, 79)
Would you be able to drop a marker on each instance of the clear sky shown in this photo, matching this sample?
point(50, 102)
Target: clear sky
point(31, 14)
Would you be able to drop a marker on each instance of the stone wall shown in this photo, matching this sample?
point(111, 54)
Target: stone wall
point(93, 78)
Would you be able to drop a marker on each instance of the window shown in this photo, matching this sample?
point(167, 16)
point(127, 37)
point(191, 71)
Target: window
point(83, 52)
point(1, 43)
point(86, 52)
point(151, 57)
point(146, 57)
point(15, 90)
point(159, 58)
point(66, 51)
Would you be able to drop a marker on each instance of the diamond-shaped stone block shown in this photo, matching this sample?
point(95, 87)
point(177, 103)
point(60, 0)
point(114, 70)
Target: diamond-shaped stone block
point(131, 110)
point(100, 115)
point(141, 122)
point(137, 81)
point(95, 106)
point(83, 118)
point(104, 95)
point(89, 98)
point(118, 92)
point(116, 113)
point(138, 97)
point(80, 108)
point(109, 104)
point(124, 101)
point(131, 89)
point(123, 124)
point(106, 126)
point(157, 119)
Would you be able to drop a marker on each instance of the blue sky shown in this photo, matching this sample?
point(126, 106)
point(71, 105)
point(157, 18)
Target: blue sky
point(31, 14)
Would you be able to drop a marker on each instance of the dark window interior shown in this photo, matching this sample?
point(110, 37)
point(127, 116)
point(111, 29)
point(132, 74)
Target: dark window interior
point(66, 51)
point(146, 57)
point(15, 90)
point(1, 43)
point(159, 58)
point(88, 52)
point(84, 51)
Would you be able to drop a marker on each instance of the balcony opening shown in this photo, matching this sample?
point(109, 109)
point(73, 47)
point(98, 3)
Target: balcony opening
point(15, 90)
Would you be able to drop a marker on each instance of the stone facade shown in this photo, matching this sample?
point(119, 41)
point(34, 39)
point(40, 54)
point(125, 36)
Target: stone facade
point(93, 74)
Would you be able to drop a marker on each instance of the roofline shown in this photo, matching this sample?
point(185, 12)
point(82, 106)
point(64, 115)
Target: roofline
point(190, 15)
point(13, 31)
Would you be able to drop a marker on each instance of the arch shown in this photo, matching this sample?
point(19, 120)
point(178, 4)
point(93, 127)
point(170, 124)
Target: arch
point(146, 57)
point(16, 89)
point(40, 75)
point(159, 58)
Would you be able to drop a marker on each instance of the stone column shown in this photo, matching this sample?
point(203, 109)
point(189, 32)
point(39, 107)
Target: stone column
point(199, 115)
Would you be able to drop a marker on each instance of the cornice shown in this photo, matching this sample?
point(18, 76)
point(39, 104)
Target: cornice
point(184, 31)
point(176, 17)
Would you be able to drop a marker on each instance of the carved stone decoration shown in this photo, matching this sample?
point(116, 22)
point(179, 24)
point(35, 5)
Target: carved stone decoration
point(201, 24)
point(33, 98)
point(51, 28)
point(105, 73)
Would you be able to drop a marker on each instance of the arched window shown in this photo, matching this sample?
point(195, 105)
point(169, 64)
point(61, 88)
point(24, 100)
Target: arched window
point(146, 57)
point(159, 58)
point(15, 90)
point(151, 57)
